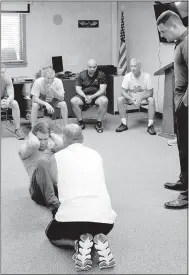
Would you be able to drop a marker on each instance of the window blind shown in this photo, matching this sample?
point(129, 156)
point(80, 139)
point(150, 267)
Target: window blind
point(12, 38)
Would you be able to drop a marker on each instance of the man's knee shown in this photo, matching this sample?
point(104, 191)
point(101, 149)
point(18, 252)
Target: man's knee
point(151, 100)
point(75, 101)
point(120, 100)
point(103, 102)
point(35, 106)
point(62, 105)
point(14, 104)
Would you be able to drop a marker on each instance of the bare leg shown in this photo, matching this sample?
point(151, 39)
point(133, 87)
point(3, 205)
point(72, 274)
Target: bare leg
point(122, 107)
point(102, 103)
point(15, 113)
point(76, 102)
point(151, 108)
point(64, 111)
point(34, 110)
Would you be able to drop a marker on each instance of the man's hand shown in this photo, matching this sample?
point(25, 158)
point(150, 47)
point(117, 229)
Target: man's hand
point(4, 103)
point(137, 101)
point(88, 99)
point(49, 108)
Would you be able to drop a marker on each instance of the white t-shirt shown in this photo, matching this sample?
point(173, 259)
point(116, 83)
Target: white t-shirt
point(137, 85)
point(81, 186)
point(39, 87)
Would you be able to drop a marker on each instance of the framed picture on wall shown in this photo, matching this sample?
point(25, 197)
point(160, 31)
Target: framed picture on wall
point(88, 23)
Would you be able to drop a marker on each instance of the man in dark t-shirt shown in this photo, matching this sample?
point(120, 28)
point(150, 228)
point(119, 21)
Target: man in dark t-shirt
point(90, 89)
point(172, 28)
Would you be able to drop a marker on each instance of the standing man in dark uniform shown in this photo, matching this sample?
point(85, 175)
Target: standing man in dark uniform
point(90, 89)
point(171, 27)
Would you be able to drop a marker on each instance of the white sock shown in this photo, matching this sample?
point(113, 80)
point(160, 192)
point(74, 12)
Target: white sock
point(150, 122)
point(124, 121)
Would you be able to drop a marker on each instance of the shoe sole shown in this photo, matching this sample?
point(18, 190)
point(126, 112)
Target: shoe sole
point(88, 263)
point(174, 189)
point(176, 207)
point(103, 265)
point(120, 131)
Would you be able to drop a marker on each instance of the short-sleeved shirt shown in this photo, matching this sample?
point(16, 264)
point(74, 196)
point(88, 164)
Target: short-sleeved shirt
point(90, 85)
point(39, 88)
point(181, 68)
point(6, 84)
point(136, 85)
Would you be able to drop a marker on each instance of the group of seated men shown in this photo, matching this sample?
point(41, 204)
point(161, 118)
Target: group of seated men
point(48, 92)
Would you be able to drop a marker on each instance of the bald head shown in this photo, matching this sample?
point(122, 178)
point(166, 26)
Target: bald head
point(91, 66)
point(72, 134)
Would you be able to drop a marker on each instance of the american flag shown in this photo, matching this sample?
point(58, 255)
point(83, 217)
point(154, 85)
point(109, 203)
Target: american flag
point(122, 62)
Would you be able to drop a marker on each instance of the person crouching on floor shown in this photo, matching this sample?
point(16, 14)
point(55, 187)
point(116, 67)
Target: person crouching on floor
point(35, 153)
point(85, 215)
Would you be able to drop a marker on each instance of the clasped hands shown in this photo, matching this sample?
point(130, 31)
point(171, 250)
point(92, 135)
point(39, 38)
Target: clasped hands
point(137, 101)
point(88, 99)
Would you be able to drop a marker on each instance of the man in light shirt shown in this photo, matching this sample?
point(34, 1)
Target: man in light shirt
point(85, 215)
point(137, 89)
point(35, 153)
point(48, 92)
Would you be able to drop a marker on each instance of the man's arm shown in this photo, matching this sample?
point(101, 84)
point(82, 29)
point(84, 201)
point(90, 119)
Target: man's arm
point(80, 92)
point(30, 146)
point(101, 91)
point(125, 94)
point(185, 56)
point(58, 89)
point(58, 140)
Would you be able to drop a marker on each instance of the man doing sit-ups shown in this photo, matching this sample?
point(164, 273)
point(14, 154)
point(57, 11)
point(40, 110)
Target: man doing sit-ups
point(36, 151)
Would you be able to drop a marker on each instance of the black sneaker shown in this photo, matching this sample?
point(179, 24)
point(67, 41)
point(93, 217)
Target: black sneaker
point(151, 130)
point(81, 124)
point(99, 127)
point(122, 127)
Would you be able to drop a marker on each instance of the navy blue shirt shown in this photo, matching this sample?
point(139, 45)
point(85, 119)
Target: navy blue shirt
point(90, 85)
point(181, 68)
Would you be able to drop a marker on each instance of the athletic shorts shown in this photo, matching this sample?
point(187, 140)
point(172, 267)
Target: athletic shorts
point(73, 230)
point(86, 106)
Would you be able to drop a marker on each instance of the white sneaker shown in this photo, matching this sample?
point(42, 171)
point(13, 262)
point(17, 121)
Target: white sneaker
point(172, 142)
point(106, 259)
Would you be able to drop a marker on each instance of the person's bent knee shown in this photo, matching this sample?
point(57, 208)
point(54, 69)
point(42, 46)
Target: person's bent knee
point(35, 106)
point(120, 100)
point(14, 104)
point(151, 100)
point(62, 105)
point(43, 163)
point(75, 101)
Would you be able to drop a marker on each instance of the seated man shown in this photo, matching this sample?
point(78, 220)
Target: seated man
point(90, 89)
point(136, 89)
point(8, 101)
point(85, 214)
point(39, 146)
point(48, 92)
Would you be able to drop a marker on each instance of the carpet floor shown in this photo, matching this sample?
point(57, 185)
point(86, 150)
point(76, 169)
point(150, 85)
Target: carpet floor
point(146, 238)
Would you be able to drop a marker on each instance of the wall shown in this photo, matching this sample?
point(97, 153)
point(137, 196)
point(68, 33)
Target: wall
point(75, 45)
point(142, 42)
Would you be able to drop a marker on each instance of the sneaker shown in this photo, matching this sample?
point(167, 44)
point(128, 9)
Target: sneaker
point(82, 257)
point(99, 127)
point(122, 127)
point(151, 130)
point(81, 124)
point(105, 256)
point(172, 142)
point(19, 134)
